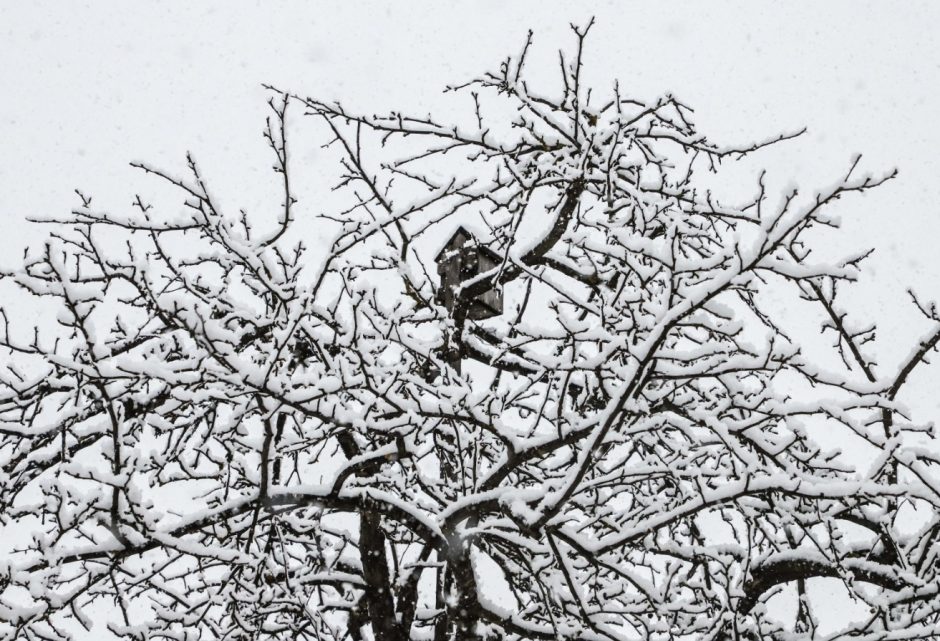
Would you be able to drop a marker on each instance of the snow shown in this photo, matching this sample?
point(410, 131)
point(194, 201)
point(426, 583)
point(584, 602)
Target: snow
point(270, 391)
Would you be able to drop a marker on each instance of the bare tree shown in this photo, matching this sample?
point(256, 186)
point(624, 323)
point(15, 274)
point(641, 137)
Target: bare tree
point(223, 437)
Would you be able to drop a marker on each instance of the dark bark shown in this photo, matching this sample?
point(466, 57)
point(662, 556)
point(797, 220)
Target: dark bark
point(773, 573)
point(372, 552)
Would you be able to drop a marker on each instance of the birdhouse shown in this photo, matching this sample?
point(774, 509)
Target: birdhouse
point(463, 258)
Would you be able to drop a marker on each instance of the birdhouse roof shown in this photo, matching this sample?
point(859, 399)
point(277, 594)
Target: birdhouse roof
point(461, 238)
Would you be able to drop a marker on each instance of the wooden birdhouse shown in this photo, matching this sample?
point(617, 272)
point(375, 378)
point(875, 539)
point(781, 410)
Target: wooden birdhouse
point(462, 258)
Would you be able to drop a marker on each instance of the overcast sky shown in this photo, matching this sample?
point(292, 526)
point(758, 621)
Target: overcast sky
point(88, 89)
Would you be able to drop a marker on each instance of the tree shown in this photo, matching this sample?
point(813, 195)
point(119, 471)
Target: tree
point(224, 435)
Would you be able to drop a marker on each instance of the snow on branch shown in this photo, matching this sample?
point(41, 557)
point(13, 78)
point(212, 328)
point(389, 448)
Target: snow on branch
point(230, 434)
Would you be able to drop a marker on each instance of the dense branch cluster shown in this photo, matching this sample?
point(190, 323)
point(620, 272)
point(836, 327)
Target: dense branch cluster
point(219, 437)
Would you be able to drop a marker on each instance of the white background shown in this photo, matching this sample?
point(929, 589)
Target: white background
point(87, 88)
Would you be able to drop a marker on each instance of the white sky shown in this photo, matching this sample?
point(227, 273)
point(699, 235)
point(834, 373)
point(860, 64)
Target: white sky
point(89, 88)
